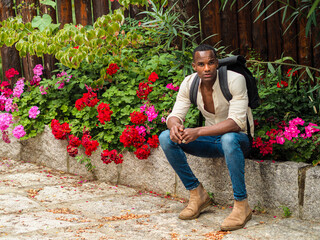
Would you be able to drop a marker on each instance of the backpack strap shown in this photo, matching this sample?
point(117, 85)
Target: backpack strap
point(194, 90)
point(223, 81)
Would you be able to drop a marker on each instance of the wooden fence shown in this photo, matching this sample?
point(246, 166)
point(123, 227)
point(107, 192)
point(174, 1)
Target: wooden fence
point(232, 28)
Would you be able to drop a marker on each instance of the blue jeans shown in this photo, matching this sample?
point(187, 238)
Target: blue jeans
point(232, 146)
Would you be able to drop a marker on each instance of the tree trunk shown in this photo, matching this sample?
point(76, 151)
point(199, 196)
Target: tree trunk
point(9, 55)
point(49, 60)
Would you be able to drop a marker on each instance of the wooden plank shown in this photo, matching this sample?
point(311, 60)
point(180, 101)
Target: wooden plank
point(274, 31)
point(290, 40)
point(83, 12)
point(211, 22)
point(134, 11)
point(9, 55)
point(100, 8)
point(191, 10)
point(29, 62)
point(244, 26)
point(49, 60)
point(64, 9)
point(316, 50)
point(304, 51)
point(229, 29)
point(259, 33)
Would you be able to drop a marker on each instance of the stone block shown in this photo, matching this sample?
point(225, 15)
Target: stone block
point(105, 172)
point(46, 150)
point(10, 150)
point(154, 174)
point(273, 184)
point(311, 210)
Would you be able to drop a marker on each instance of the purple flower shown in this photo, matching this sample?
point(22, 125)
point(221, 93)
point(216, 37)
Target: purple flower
point(18, 132)
point(34, 112)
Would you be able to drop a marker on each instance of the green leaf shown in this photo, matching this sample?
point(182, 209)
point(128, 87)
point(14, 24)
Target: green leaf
point(49, 3)
point(41, 22)
point(314, 6)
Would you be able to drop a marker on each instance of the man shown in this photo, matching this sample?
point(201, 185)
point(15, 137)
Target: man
point(224, 135)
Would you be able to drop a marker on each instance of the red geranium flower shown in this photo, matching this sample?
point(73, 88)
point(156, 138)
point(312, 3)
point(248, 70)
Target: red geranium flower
point(153, 77)
point(138, 118)
point(153, 141)
point(60, 131)
point(109, 156)
point(104, 113)
point(112, 69)
point(10, 73)
point(144, 90)
point(142, 152)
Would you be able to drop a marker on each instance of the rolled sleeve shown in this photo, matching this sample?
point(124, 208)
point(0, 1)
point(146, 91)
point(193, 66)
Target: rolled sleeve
point(183, 103)
point(239, 102)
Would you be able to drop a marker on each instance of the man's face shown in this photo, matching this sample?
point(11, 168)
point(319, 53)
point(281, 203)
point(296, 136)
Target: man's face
point(205, 64)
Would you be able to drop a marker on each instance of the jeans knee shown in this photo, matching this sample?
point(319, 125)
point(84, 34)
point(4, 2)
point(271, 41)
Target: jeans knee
point(164, 139)
point(229, 142)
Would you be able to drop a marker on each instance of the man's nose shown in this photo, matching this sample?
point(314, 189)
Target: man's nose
point(206, 67)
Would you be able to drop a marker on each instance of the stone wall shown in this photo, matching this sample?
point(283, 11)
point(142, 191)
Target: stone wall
point(270, 184)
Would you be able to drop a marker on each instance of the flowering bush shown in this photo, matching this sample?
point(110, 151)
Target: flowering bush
point(295, 141)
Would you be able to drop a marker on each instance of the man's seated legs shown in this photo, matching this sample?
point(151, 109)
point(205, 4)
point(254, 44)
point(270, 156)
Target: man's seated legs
point(199, 198)
point(235, 147)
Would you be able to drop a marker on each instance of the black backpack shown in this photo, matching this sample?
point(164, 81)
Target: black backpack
point(236, 64)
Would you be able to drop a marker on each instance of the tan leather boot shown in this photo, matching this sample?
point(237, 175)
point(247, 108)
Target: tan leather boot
point(199, 199)
point(240, 215)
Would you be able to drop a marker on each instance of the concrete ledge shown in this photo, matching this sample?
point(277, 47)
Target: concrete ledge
point(270, 184)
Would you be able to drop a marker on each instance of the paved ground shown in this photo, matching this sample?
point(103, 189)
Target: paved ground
point(41, 203)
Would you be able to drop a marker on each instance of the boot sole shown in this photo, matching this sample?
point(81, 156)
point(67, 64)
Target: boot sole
point(239, 226)
point(203, 206)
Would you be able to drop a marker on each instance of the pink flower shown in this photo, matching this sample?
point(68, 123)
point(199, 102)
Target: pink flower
point(38, 70)
point(141, 130)
point(310, 129)
point(163, 120)
point(280, 140)
point(5, 121)
point(296, 121)
point(9, 105)
point(42, 90)
point(151, 113)
point(18, 132)
point(34, 112)
point(143, 108)
point(170, 86)
point(18, 89)
point(35, 80)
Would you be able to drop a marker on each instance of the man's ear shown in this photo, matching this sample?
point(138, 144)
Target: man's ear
point(194, 66)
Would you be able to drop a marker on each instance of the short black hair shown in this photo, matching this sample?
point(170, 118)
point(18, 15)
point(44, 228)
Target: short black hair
point(204, 47)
